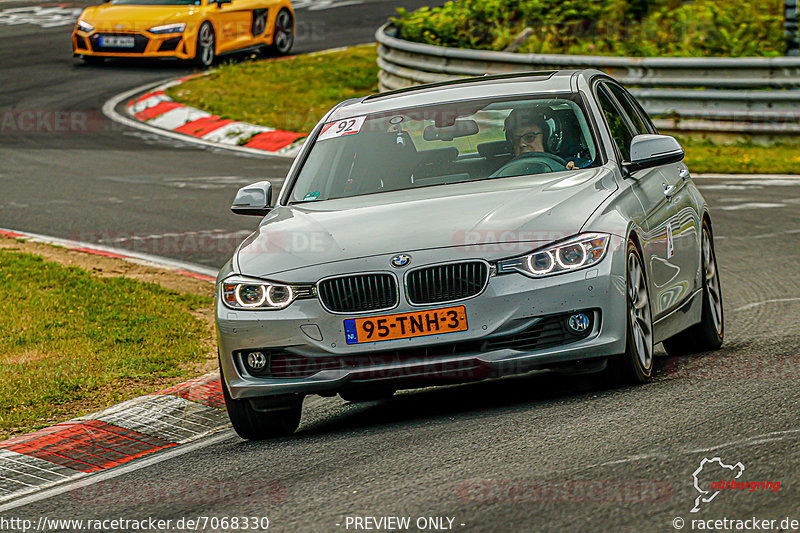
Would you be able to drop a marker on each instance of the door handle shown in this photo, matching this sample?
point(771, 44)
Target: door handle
point(670, 190)
point(684, 173)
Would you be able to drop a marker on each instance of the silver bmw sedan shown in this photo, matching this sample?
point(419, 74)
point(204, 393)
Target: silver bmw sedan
point(462, 231)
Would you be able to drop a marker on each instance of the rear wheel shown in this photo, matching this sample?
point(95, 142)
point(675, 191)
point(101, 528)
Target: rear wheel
point(709, 332)
point(283, 34)
point(205, 48)
point(636, 364)
point(263, 418)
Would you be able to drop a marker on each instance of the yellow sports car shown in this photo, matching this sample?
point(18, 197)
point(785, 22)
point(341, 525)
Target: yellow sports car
point(198, 30)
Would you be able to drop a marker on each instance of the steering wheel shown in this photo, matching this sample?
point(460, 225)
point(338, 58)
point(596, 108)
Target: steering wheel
point(528, 162)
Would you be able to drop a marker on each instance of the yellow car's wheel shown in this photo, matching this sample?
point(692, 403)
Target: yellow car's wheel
point(283, 35)
point(205, 50)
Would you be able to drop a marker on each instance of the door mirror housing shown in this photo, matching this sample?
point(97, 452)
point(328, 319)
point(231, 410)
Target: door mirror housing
point(648, 151)
point(253, 200)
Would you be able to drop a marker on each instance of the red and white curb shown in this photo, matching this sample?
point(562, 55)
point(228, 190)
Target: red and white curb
point(157, 110)
point(110, 438)
point(126, 432)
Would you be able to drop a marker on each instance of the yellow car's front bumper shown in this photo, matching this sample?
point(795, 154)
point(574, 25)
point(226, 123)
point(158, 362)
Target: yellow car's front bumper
point(145, 44)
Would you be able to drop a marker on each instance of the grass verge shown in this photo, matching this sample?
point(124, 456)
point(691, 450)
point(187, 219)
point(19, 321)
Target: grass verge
point(292, 94)
point(73, 342)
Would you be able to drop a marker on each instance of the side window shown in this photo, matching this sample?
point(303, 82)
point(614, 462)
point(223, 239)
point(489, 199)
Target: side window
point(616, 123)
point(631, 109)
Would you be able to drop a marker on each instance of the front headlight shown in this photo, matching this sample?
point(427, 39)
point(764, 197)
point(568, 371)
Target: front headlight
point(575, 253)
point(84, 26)
point(169, 28)
point(240, 293)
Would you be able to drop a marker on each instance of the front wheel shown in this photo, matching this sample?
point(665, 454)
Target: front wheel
point(205, 48)
point(259, 420)
point(283, 34)
point(708, 334)
point(636, 364)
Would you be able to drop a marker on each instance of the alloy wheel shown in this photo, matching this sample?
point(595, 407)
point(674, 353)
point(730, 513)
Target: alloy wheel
point(639, 311)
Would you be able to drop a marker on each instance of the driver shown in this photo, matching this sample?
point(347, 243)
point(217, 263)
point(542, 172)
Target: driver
point(527, 132)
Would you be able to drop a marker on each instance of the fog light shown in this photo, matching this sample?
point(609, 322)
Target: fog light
point(578, 323)
point(256, 361)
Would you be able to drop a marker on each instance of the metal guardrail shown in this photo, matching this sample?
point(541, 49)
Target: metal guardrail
point(721, 95)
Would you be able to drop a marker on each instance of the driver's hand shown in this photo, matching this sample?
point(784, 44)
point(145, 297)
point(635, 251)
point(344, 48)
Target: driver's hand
point(571, 165)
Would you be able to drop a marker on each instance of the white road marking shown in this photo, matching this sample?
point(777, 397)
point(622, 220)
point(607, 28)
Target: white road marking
point(321, 5)
point(765, 302)
point(44, 17)
point(131, 256)
point(750, 205)
point(772, 436)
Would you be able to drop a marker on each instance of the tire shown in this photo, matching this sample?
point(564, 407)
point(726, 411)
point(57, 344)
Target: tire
point(282, 34)
point(205, 47)
point(278, 418)
point(367, 394)
point(636, 364)
point(709, 333)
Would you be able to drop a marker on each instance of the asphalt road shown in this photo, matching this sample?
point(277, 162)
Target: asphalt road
point(541, 453)
point(69, 172)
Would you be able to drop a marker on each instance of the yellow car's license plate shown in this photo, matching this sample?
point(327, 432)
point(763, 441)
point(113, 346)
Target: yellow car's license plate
point(406, 325)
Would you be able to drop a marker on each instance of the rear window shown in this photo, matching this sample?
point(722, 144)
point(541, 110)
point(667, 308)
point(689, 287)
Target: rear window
point(444, 144)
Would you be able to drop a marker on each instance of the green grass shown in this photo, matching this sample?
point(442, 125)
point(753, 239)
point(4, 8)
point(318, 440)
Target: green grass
point(289, 94)
point(743, 158)
point(294, 93)
point(72, 343)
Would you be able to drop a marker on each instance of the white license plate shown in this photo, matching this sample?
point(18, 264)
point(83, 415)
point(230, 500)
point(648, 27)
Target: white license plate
point(116, 41)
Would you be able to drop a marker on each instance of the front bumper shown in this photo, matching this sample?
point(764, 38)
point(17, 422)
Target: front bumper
point(510, 303)
point(146, 45)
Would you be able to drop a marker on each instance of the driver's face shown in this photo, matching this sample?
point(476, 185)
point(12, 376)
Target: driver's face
point(528, 139)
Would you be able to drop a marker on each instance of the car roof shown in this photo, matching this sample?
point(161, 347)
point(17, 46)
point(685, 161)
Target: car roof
point(520, 83)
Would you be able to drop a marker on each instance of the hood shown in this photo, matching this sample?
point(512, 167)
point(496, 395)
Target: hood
point(531, 211)
point(109, 17)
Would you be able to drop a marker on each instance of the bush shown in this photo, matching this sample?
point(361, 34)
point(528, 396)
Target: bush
point(611, 27)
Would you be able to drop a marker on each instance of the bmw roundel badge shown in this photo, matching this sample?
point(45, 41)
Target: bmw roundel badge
point(401, 260)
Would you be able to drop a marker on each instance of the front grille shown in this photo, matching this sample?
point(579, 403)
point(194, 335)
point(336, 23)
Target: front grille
point(139, 43)
point(548, 332)
point(444, 283)
point(358, 293)
point(168, 45)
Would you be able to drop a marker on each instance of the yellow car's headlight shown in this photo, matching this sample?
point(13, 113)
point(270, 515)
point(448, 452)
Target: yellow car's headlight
point(168, 28)
point(84, 26)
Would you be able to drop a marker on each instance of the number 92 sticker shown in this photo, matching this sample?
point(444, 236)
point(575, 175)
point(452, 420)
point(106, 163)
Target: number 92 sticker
point(348, 126)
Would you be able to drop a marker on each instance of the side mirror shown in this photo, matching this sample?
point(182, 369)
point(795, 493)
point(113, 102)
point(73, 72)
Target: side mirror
point(648, 151)
point(253, 200)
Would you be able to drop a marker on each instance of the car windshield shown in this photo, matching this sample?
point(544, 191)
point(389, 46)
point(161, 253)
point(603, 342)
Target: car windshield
point(155, 2)
point(446, 143)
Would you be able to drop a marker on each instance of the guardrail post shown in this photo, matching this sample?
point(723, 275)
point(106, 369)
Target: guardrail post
point(790, 27)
